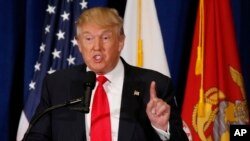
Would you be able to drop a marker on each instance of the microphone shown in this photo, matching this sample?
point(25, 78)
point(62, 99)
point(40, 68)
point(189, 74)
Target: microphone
point(89, 84)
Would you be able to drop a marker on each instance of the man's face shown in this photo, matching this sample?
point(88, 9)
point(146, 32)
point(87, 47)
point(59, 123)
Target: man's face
point(100, 47)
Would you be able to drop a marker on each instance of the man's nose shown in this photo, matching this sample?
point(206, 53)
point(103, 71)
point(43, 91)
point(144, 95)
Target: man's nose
point(97, 44)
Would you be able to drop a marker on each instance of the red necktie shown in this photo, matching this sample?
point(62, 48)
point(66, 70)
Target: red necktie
point(100, 115)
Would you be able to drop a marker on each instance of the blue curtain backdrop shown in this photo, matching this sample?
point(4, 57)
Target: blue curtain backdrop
point(21, 27)
point(20, 32)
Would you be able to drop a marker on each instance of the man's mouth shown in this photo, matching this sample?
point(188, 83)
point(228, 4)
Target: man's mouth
point(97, 58)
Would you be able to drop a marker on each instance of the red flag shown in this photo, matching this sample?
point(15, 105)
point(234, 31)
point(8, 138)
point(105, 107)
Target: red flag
point(214, 96)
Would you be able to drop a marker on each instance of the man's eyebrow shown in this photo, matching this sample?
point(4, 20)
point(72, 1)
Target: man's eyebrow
point(107, 31)
point(85, 32)
point(104, 32)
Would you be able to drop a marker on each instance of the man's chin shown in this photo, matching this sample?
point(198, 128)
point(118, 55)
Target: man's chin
point(98, 70)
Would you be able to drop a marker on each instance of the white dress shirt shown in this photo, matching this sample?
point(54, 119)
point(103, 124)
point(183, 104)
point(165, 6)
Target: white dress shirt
point(113, 88)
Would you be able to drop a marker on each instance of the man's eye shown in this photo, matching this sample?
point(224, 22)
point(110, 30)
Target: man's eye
point(106, 38)
point(88, 38)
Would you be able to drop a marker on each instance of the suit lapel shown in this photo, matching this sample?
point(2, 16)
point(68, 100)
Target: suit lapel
point(76, 91)
point(77, 86)
point(130, 105)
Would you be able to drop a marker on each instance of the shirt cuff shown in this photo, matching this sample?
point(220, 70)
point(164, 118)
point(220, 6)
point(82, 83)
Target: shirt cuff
point(164, 135)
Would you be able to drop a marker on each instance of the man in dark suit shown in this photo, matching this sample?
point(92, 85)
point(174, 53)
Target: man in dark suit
point(141, 101)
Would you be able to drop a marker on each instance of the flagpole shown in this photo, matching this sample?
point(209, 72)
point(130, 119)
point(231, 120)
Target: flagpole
point(200, 60)
point(139, 39)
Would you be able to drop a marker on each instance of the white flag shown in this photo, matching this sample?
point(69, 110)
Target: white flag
point(154, 56)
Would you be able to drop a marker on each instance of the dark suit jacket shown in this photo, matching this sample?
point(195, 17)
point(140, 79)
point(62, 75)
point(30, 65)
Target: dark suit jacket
point(67, 125)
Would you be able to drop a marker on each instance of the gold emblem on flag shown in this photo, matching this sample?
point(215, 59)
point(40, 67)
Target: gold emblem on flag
point(219, 112)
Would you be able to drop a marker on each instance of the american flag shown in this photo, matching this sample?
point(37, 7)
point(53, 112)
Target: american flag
point(58, 49)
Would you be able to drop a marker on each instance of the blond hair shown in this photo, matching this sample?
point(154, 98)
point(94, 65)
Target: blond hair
point(102, 16)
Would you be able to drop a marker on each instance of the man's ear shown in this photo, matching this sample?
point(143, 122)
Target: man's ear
point(121, 43)
point(79, 45)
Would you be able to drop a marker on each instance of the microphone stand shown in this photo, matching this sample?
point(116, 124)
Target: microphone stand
point(69, 103)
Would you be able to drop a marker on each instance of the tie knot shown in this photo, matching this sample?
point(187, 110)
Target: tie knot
point(101, 79)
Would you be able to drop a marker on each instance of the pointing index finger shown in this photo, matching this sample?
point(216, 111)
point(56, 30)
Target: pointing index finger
point(152, 90)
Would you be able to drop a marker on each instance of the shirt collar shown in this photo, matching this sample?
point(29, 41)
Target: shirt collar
point(116, 74)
